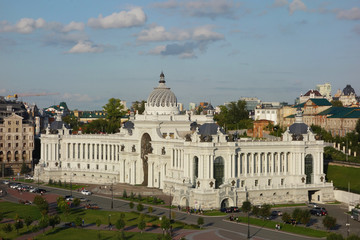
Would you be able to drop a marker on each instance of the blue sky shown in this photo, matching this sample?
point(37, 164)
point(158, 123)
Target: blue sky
point(218, 50)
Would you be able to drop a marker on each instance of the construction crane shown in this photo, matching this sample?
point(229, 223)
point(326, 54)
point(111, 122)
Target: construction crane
point(16, 96)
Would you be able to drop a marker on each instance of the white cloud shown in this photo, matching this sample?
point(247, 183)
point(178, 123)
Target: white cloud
point(123, 19)
point(280, 3)
point(155, 33)
point(296, 5)
point(74, 26)
point(352, 14)
point(86, 47)
point(202, 8)
point(29, 25)
point(157, 50)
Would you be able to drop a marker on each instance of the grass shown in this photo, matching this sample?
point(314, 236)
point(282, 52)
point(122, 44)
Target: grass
point(288, 205)
point(341, 176)
point(88, 234)
point(145, 200)
point(66, 186)
point(11, 209)
point(286, 227)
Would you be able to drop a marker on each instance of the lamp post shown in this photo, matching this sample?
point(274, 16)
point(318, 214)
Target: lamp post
point(112, 195)
point(248, 220)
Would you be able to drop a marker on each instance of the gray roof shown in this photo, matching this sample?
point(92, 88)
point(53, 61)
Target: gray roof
point(58, 125)
point(298, 128)
point(208, 129)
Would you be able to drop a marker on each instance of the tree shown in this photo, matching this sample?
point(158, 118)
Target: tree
point(44, 222)
point(140, 207)
point(286, 217)
point(124, 194)
point(357, 127)
point(7, 228)
point(296, 214)
point(131, 205)
point(54, 220)
point(329, 222)
point(42, 204)
point(78, 221)
point(141, 224)
point(256, 210)
point(265, 211)
point(165, 223)
point(353, 237)
point(18, 225)
point(28, 221)
point(114, 111)
point(233, 116)
point(24, 168)
point(150, 209)
point(200, 221)
point(120, 223)
point(139, 107)
point(305, 217)
point(246, 206)
point(72, 121)
point(76, 202)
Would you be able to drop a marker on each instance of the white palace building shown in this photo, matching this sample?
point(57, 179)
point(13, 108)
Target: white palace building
point(191, 157)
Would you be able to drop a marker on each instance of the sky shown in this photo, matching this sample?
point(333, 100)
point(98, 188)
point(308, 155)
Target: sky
point(85, 52)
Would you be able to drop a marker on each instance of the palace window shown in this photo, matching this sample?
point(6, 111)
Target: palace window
point(269, 182)
point(282, 182)
point(256, 182)
point(88, 166)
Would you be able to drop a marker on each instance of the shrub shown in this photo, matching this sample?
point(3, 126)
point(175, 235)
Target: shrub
point(140, 197)
point(155, 200)
point(140, 207)
point(200, 221)
point(150, 209)
point(132, 195)
point(131, 205)
point(125, 194)
point(59, 183)
point(7, 228)
point(50, 181)
point(329, 222)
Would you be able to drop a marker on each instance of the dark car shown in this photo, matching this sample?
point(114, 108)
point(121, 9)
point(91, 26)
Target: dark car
point(291, 221)
point(322, 210)
point(316, 212)
point(235, 209)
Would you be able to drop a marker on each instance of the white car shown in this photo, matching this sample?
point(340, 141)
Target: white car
point(86, 192)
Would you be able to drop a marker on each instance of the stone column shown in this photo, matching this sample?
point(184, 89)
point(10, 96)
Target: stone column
point(150, 174)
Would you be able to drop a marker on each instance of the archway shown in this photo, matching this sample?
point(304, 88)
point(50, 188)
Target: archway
point(24, 156)
point(16, 156)
point(8, 156)
point(308, 168)
point(184, 202)
point(227, 202)
point(218, 171)
point(145, 150)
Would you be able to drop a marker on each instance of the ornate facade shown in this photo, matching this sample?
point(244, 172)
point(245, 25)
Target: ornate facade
point(191, 157)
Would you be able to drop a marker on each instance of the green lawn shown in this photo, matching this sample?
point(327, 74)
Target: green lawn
point(11, 209)
point(288, 205)
point(342, 175)
point(66, 186)
point(77, 233)
point(214, 213)
point(306, 231)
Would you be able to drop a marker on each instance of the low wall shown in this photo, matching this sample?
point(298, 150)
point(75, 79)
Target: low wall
point(347, 197)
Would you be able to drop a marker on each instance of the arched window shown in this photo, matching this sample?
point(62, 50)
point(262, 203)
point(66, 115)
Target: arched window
point(1, 156)
point(308, 168)
point(218, 171)
point(195, 169)
point(8, 156)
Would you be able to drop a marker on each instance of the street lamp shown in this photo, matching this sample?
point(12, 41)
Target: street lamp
point(248, 220)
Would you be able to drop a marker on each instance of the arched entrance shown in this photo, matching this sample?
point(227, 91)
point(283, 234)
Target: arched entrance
point(184, 202)
point(145, 150)
point(227, 202)
point(218, 171)
point(308, 168)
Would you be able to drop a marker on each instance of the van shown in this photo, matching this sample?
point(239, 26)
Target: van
point(355, 214)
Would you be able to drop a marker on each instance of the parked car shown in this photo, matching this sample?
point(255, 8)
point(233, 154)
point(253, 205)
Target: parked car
point(69, 198)
point(92, 206)
point(235, 209)
point(322, 210)
point(14, 185)
point(29, 177)
point(276, 213)
point(85, 192)
point(6, 182)
point(83, 199)
point(34, 190)
point(312, 205)
point(316, 212)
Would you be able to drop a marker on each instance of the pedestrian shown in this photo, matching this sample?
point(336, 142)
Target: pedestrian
point(83, 222)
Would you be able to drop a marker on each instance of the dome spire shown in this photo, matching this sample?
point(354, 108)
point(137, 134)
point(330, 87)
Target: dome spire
point(162, 77)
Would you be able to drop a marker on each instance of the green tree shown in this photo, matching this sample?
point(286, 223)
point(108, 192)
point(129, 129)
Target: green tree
point(114, 111)
point(265, 211)
point(246, 206)
point(353, 237)
point(78, 221)
point(72, 121)
point(28, 221)
point(150, 209)
point(140, 207)
point(286, 217)
point(18, 225)
point(44, 222)
point(200, 221)
point(76, 202)
point(24, 168)
point(124, 194)
point(305, 217)
point(141, 224)
point(7, 228)
point(54, 220)
point(131, 205)
point(120, 223)
point(329, 222)
point(296, 214)
point(139, 107)
point(233, 116)
point(357, 127)
point(165, 223)
point(334, 236)
point(256, 210)
point(336, 103)
point(42, 204)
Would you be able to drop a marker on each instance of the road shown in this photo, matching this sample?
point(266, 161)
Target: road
point(216, 227)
